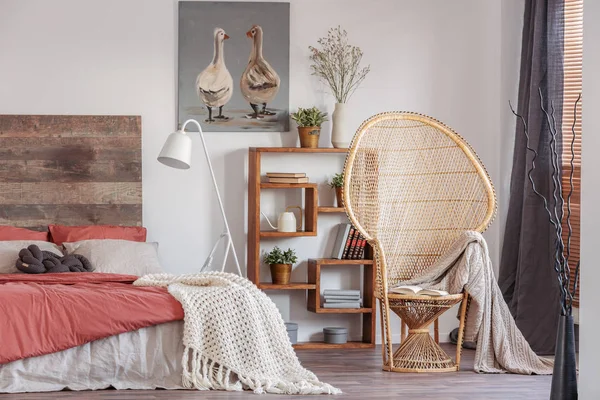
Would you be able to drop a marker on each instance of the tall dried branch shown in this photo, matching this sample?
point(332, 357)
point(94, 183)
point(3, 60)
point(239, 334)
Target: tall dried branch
point(560, 267)
point(572, 166)
point(555, 211)
point(544, 200)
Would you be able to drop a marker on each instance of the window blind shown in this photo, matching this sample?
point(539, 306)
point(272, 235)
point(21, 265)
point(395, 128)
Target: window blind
point(573, 54)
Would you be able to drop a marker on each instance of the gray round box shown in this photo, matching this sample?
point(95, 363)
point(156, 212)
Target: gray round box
point(335, 335)
point(292, 331)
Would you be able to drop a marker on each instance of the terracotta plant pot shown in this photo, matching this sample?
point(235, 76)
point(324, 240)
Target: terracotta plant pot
point(338, 197)
point(309, 136)
point(280, 273)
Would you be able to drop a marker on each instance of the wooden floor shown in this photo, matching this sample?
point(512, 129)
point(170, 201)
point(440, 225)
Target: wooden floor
point(358, 373)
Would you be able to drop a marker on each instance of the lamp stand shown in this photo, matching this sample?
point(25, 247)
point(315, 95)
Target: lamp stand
point(226, 233)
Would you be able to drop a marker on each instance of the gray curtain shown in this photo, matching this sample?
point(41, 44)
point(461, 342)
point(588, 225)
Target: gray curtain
point(527, 277)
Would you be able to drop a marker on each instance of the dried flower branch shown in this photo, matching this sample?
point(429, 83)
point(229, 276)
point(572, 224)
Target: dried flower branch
point(555, 210)
point(338, 64)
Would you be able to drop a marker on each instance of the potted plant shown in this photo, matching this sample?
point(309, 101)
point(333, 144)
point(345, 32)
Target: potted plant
point(337, 64)
point(337, 182)
point(281, 264)
point(309, 122)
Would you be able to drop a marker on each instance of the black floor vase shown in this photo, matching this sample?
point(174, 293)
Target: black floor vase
point(564, 376)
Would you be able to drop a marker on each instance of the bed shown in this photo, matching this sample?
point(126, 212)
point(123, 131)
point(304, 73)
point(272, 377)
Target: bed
point(148, 358)
point(82, 170)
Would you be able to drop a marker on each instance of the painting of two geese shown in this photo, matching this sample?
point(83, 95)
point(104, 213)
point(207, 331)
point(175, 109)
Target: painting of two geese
point(234, 65)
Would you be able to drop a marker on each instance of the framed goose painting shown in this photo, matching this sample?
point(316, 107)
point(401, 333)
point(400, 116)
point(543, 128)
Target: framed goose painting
point(234, 60)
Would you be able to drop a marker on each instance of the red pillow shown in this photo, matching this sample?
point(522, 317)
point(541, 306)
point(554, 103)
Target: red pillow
point(62, 233)
point(12, 233)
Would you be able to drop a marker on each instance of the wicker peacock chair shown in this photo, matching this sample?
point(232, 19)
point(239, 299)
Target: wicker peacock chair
point(411, 186)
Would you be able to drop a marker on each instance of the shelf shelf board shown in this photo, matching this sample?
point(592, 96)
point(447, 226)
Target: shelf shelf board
point(276, 234)
point(297, 150)
point(289, 286)
point(331, 209)
point(268, 185)
point(335, 261)
point(341, 310)
point(323, 345)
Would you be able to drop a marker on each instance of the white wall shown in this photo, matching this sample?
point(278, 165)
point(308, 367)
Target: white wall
point(119, 57)
point(589, 387)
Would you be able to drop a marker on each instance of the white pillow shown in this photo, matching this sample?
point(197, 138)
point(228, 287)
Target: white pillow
point(118, 256)
point(9, 253)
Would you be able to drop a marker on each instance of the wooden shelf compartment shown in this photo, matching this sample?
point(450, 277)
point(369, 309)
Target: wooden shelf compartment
point(323, 345)
point(313, 300)
point(309, 212)
point(331, 209)
point(289, 286)
point(297, 150)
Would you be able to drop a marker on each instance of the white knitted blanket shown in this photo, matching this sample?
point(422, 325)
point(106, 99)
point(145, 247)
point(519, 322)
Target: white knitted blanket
point(501, 346)
point(234, 337)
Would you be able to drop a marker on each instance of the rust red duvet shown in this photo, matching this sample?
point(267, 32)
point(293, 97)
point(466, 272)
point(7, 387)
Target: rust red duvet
point(46, 313)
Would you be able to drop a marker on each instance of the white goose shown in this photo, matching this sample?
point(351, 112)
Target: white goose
point(215, 85)
point(259, 83)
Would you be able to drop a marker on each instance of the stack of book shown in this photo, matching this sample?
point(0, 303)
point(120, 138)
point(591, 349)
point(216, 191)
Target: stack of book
point(287, 177)
point(349, 243)
point(335, 298)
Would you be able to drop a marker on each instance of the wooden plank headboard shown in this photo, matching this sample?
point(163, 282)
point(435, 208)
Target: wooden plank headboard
point(70, 170)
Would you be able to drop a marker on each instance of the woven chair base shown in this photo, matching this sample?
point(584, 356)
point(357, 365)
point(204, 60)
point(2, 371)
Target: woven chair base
point(419, 352)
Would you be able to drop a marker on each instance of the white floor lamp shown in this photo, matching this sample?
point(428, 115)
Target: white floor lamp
point(177, 153)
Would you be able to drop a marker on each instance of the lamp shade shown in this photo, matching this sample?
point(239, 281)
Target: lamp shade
point(177, 151)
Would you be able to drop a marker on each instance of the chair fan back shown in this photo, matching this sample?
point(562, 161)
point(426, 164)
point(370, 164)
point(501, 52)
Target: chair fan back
point(411, 186)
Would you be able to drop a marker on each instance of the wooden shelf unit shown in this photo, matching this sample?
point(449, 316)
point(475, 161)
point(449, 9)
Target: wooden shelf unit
point(311, 211)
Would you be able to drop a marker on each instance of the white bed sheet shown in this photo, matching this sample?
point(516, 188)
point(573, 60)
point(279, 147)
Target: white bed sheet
point(148, 358)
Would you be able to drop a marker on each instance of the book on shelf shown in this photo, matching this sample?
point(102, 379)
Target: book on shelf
point(363, 245)
point(349, 238)
point(341, 292)
point(286, 175)
point(352, 300)
point(349, 243)
point(360, 244)
point(341, 297)
point(417, 290)
point(340, 240)
point(352, 250)
point(354, 246)
point(353, 304)
point(288, 180)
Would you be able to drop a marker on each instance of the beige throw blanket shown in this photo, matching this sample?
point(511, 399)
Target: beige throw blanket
point(501, 346)
point(234, 337)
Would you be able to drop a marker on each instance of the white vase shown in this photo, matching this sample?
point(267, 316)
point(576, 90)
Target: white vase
point(341, 134)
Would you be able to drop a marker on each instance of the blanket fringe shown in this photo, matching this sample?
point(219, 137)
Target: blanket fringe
point(202, 373)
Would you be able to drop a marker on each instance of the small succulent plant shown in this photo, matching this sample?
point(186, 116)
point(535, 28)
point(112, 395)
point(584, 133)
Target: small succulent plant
point(278, 256)
point(337, 181)
point(309, 117)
